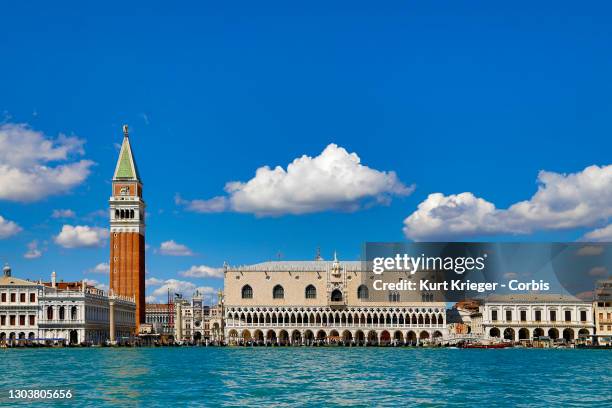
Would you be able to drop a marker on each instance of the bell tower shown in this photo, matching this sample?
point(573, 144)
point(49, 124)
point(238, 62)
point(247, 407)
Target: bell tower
point(127, 222)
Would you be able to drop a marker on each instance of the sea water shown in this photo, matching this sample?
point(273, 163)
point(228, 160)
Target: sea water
point(305, 376)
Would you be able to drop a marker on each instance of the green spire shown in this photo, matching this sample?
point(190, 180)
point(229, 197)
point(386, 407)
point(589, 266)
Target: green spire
point(126, 166)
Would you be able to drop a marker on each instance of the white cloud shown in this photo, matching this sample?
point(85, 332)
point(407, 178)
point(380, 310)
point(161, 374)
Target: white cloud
point(202, 271)
point(185, 288)
point(600, 235)
point(30, 167)
point(33, 251)
point(335, 179)
point(102, 267)
point(212, 205)
point(562, 201)
point(81, 236)
point(95, 283)
point(173, 248)
point(8, 228)
point(153, 282)
point(63, 213)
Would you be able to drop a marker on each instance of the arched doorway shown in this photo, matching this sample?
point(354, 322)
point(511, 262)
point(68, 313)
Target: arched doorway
point(336, 295)
point(233, 336)
point(437, 336)
point(538, 333)
point(74, 337)
point(347, 337)
point(246, 336)
point(553, 334)
point(283, 338)
point(296, 338)
point(568, 334)
point(411, 338)
point(509, 334)
point(583, 334)
point(523, 334)
point(385, 338)
point(398, 338)
point(258, 336)
point(308, 337)
point(359, 338)
point(494, 332)
point(372, 338)
point(321, 336)
point(197, 337)
point(424, 335)
point(271, 337)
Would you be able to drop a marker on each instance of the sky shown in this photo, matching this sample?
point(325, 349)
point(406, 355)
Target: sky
point(264, 131)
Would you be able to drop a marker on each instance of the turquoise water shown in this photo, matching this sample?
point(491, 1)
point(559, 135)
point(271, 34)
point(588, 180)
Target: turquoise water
point(314, 376)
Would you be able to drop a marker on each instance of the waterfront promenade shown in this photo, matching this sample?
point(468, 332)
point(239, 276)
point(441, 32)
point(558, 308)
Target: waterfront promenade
point(201, 376)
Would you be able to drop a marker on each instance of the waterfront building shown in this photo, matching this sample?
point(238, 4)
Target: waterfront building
point(464, 320)
point(127, 230)
point(61, 312)
point(602, 306)
point(519, 317)
point(306, 302)
point(159, 316)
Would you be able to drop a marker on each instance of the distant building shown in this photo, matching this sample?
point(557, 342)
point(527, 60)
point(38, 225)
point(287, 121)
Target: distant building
point(464, 320)
point(303, 302)
point(159, 316)
point(602, 306)
point(60, 312)
point(528, 316)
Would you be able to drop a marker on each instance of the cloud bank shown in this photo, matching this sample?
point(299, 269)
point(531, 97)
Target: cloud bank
point(81, 236)
point(33, 166)
point(562, 201)
point(333, 180)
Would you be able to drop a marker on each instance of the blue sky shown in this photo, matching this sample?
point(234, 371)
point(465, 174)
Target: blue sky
point(453, 97)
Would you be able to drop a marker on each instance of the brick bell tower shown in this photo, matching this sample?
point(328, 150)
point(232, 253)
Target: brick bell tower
point(127, 221)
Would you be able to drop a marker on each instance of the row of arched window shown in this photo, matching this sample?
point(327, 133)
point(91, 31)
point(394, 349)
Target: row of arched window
point(62, 313)
point(278, 292)
point(124, 214)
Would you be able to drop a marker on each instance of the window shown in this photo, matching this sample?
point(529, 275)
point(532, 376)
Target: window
point(12, 320)
point(538, 315)
point(22, 297)
point(22, 320)
point(32, 297)
point(13, 298)
point(73, 313)
point(394, 297)
point(336, 295)
point(568, 316)
point(278, 292)
point(32, 320)
point(247, 292)
point(362, 292)
point(311, 292)
point(523, 315)
point(50, 313)
point(583, 315)
point(3, 297)
point(62, 313)
point(553, 316)
point(494, 315)
point(508, 315)
point(2, 320)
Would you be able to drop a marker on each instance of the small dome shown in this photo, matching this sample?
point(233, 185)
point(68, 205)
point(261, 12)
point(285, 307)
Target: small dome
point(6, 270)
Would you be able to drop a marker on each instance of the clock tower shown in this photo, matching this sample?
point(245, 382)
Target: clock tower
point(127, 221)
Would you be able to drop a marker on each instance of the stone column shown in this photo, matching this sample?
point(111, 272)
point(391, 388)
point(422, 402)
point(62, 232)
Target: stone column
point(111, 318)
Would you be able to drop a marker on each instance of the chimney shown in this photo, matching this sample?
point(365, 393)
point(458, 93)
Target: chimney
point(53, 275)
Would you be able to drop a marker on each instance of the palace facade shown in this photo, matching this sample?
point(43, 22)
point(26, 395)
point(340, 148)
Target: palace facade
point(527, 316)
point(61, 312)
point(602, 306)
point(307, 302)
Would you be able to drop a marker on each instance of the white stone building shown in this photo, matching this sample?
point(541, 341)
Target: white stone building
point(306, 302)
point(527, 316)
point(60, 312)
